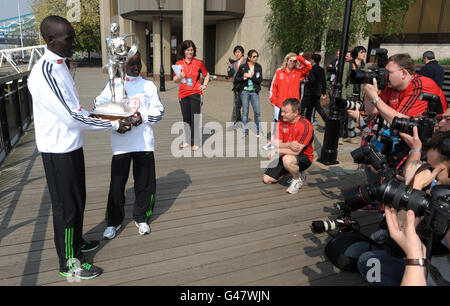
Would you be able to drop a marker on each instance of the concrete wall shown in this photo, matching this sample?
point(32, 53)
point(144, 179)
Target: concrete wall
point(252, 33)
point(441, 51)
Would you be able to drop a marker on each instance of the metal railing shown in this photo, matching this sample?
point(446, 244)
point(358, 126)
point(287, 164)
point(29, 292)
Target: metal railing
point(34, 53)
point(16, 111)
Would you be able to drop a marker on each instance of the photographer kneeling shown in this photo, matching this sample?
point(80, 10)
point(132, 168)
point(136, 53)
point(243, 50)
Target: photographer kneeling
point(437, 152)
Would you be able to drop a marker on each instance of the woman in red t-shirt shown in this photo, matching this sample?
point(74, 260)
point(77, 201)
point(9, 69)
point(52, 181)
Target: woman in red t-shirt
point(190, 92)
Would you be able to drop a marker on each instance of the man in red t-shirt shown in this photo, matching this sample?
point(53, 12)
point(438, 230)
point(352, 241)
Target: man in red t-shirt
point(294, 143)
point(401, 98)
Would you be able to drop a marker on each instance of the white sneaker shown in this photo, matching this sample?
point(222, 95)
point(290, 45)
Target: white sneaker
point(269, 146)
point(111, 231)
point(143, 228)
point(295, 186)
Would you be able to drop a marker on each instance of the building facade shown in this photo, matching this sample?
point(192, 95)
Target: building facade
point(215, 26)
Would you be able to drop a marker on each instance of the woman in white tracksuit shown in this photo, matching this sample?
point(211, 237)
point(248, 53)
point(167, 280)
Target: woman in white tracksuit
point(138, 145)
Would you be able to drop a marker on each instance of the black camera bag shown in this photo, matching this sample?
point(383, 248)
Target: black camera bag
point(346, 247)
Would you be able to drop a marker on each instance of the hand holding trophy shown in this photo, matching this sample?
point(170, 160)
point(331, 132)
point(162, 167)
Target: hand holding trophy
point(118, 55)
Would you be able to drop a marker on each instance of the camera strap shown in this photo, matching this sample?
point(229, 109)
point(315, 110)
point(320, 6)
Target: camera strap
point(420, 169)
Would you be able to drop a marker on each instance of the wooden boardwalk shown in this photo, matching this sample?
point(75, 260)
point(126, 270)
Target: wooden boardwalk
point(214, 223)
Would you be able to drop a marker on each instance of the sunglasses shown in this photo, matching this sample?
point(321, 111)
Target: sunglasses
point(255, 56)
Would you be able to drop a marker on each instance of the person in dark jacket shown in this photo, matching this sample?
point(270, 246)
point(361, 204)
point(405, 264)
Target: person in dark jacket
point(432, 69)
point(248, 81)
point(315, 88)
point(231, 71)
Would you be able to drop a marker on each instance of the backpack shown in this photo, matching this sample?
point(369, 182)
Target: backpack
point(346, 247)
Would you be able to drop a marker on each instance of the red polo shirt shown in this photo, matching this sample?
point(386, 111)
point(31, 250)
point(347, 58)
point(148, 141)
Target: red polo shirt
point(192, 70)
point(300, 131)
point(407, 102)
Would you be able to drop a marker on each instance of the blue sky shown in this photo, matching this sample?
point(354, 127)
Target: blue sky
point(8, 8)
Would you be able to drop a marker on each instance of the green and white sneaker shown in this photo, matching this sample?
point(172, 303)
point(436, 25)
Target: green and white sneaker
point(85, 271)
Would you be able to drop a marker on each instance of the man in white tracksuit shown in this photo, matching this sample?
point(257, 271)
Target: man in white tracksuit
point(137, 145)
point(60, 122)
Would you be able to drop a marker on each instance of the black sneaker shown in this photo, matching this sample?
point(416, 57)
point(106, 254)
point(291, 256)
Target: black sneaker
point(85, 271)
point(89, 246)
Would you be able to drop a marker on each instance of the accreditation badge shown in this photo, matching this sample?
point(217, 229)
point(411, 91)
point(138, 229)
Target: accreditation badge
point(189, 82)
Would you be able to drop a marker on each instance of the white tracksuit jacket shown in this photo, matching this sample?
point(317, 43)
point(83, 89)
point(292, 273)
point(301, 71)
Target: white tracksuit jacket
point(59, 119)
point(142, 97)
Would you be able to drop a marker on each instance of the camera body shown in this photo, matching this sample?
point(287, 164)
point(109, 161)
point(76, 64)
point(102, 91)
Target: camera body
point(378, 72)
point(425, 125)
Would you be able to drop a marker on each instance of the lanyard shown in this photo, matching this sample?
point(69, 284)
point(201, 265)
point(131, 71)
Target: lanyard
point(186, 66)
point(252, 70)
point(239, 63)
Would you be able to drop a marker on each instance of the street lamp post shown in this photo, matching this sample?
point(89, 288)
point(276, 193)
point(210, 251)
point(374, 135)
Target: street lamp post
point(328, 155)
point(162, 80)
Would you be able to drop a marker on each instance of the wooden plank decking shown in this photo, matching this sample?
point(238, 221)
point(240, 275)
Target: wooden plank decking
point(215, 222)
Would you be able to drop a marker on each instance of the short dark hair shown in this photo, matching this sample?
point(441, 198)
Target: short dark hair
point(429, 55)
point(49, 22)
point(356, 51)
point(186, 45)
point(238, 47)
point(294, 103)
point(437, 143)
point(405, 61)
point(316, 58)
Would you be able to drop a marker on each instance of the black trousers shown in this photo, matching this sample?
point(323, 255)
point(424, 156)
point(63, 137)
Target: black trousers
point(191, 106)
point(237, 106)
point(66, 182)
point(311, 102)
point(144, 187)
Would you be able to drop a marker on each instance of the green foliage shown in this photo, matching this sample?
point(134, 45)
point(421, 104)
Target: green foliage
point(87, 31)
point(301, 24)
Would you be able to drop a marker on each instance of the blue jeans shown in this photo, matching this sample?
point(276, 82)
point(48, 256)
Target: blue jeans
point(391, 268)
point(253, 97)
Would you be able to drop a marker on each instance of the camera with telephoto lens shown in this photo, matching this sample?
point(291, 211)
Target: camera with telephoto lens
point(360, 196)
point(343, 223)
point(435, 208)
point(425, 125)
point(366, 194)
point(378, 72)
point(351, 104)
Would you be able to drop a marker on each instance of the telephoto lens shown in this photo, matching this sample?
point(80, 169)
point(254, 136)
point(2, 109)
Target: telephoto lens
point(323, 226)
point(399, 195)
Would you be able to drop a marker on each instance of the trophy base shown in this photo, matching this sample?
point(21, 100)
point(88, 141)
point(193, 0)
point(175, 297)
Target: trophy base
point(112, 111)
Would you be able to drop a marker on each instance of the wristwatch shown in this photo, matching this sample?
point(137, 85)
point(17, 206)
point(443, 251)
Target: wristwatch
point(416, 262)
point(374, 101)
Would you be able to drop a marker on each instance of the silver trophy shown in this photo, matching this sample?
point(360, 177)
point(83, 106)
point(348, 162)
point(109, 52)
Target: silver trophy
point(118, 55)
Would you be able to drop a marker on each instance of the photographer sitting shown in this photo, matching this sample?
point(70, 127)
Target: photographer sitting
point(392, 265)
